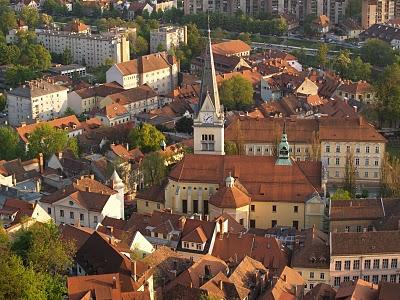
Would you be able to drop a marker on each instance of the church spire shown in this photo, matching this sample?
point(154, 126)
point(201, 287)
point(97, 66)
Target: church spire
point(208, 80)
point(283, 149)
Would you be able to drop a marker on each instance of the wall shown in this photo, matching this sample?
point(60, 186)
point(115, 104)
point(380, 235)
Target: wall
point(305, 273)
point(146, 206)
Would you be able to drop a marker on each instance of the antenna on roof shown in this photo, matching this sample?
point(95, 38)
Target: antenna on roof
point(208, 24)
point(284, 126)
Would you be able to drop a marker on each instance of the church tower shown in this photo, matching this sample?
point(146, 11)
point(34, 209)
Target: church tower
point(283, 150)
point(208, 124)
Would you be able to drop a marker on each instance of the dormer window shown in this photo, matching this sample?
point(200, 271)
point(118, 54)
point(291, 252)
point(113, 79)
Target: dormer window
point(71, 203)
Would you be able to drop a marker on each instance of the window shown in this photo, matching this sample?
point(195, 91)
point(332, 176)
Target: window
point(71, 215)
point(336, 281)
point(296, 224)
point(375, 279)
point(147, 203)
point(346, 278)
point(184, 206)
point(359, 228)
point(385, 263)
point(337, 148)
point(347, 149)
point(82, 217)
point(377, 149)
point(357, 161)
point(367, 161)
point(273, 223)
point(252, 207)
point(95, 219)
point(296, 209)
point(322, 276)
point(347, 265)
point(366, 174)
point(158, 206)
point(347, 229)
point(376, 264)
point(393, 278)
point(311, 286)
point(273, 208)
point(356, 264)
point(376, 163)
point(384, 278)
point(355, 278)
point(198, 246)
point(393, 264)
point(337, 161)
point(367, 264)
point(49, 210)
point(336, 173)
point(327, 149)
point(311, 275)
point(358, 149)
point(61, 213)
point(338, 265)
point(252, 223)
point(367, 149)
point(366, 277)
point(185, 245)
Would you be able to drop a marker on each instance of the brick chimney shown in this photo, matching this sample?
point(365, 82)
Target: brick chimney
point(114, 283)
point(41, 164)
point(134, 270)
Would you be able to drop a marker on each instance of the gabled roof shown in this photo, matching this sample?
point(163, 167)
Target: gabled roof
point(112, 111)
point(262, 178)
point(243, 275)
point(196, 236)
point(222, 287)
point(145, 64)
point(139, 93)
point(18, 207)
point(77, 234)
point(69, 123)
point(357, 290)
point(231, 47)
point(321, 291)
point(359, 87)
point(197, 231)
point(230, 197)
point(130, 155)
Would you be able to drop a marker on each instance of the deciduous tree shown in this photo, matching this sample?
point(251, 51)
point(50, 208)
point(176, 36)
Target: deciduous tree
point(146, 137)
point(153, 168)
point(236, 93)
point(10, 146)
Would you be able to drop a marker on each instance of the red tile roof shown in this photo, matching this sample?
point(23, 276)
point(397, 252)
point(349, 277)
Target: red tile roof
point(145, 64)
point(230, 197)
point(230, 47)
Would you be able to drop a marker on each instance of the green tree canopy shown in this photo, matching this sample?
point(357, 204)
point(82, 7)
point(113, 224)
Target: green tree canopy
point(9, 54)
point(10, 146)
point(141, 46)
point(322, 56)
point(236, 93)
point(147, 137)
point(18, 74)
point(341, 194)
point(8, 19)
point(378, 53)
point(67, 57)
point(245, 37)
point(154, 169)
point(30, 16)
point(3, 102)
point(388, 94)
point(49, 140)
point(185, 125)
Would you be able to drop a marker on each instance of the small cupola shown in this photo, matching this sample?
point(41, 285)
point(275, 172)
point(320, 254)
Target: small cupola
point(283, 150)
point(229, 181)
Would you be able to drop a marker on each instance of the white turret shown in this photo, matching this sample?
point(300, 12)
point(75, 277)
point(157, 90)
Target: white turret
point(118, 185)
point(229, 181)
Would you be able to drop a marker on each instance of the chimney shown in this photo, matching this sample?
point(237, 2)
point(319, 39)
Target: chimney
point(284, 277)
point(91, 176)
point(221, 230)
point(221, 285)
point(207, 271)
point(201, 280)
point(182, 222)
point(14, 180)
point(23, 124)
point(114, 285)
point(134, 270)
point(87, 188)
point(111, 229)
point(127, 146)
point(41, 163)
point(59, 155)
point(313, 231)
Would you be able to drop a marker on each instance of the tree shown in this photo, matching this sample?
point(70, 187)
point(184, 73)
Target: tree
point(230, 148)
point(10, 147)
point(245, 37)
point(141, 46)
point(353, 9)
point(146, 137)
point(3, 102)
point(161, 47)
point(8, 20)
point(69, 112)
point(9, 54)
point(341, 194)
point(390, 176)
point(387, 88)
point(45, 19)
point(236, 93)
point(377, 52)
point(67, 57)
point(49, 140)
point(342, 62)
point(42, 247)
point(18, 74)
point(185, 125)
point(358, 70)
point(153, 168)
point(30, 16)
point(349, 183)
point(322, 56)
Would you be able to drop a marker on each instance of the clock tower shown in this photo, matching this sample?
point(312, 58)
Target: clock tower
point(208, 124)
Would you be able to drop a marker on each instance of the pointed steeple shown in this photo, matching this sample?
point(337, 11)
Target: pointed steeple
point(283, 149)
point(209, 85)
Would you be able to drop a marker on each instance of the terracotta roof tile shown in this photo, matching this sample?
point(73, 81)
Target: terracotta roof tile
point(70, 122)
point(357, 290)
point(359, 87)
point(140, 93)
point(145, 64)
point(195, 236)
point(230, 47)
point(321, 291)
point(230, 197)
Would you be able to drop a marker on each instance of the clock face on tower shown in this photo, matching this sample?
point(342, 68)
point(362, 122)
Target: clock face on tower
point(208, 118)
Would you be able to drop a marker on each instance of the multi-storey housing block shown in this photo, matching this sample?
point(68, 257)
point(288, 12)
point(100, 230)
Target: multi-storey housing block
point(167, 37)
point(37, 100)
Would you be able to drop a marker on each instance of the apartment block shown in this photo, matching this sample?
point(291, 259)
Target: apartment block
point(87, 49)
point(38, 100)
point(372, 256)
point(376, 12)
point(167, 37)
point(158, 70)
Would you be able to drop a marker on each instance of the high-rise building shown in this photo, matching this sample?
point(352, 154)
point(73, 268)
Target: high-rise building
point(167, 37)
point(376, 12)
